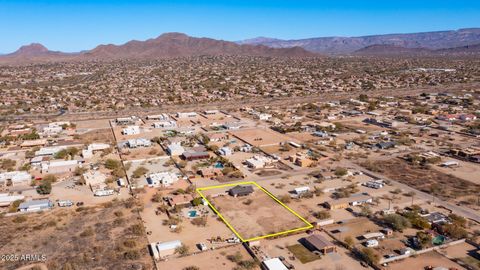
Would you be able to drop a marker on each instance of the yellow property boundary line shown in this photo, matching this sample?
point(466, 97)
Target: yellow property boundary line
point(199, 191)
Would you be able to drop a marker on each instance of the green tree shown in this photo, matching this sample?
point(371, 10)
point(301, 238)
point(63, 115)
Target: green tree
point(139, 172)
point(339, 171)
point(44, 188)
point(322, 214)
point(369, 255)
point(8, 164)
point(396, 222)
point(424, 239)
point(112, 164)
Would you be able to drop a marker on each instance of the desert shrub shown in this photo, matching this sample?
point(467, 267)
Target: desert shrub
point(130, 243)
point(285, 198)
point(182, 250)
point(137, 229)
point(201, 221)
point(192, 267)
point(87, 232)
point(236, 258)
point(112, 164)
point(20, 219)
point(131, 255)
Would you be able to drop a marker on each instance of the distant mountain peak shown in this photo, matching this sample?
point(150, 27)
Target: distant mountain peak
point(31, 49)
point(173, 35)
point(171, 45)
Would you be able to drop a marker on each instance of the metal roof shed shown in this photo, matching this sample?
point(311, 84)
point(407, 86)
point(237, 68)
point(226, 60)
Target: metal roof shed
point(274, 264)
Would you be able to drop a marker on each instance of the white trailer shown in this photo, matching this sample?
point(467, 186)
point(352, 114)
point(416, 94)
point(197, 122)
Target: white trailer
point(104, 192)
point(65, 203)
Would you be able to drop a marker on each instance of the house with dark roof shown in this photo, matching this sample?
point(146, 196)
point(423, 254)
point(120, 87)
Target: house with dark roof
point(240, 191)
point(316, 242)
point(196, 153)
point(385, 145)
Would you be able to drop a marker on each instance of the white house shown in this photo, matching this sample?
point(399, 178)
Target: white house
point(175, 149)
point(131, 130)
point(134, 143)
point(59, 166)
point(301, 190)
point(186, 114)
point(165, 124)
point(15, 177)
point(264, 116)
point(232, 125)
point(257, 162)
point(35, 205)
point(49, 151)
point(211, 112)
point(246, 148)
point(6, 199)
point(92, 148)
point(273, 264)
point(162, 179)
point(52, 129)
point(161, 117)
point(225, 151)
point(163, 249)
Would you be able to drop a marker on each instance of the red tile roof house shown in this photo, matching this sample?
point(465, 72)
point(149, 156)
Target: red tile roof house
point(181, 200)
point(210, 172)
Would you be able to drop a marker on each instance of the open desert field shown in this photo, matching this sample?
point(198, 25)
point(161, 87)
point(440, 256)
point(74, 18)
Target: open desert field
point(255, 215)
point(107, 236)
point(466, 170)
point(428, 259)
point(260, 137)
point(98, 136)
point(212, 259)
point(444, 185)
point(93, 124)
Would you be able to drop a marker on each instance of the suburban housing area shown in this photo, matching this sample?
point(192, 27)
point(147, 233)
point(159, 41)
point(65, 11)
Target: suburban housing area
point(125, 148)
point(363, 182)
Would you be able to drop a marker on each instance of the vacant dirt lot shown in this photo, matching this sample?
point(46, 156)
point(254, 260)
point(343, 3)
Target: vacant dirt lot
point(98, 136)
point(105, 237)
point(256, 214)
point(420, 262)
point(260, 137)
point(212, 259)
point(445, 186)
point(466, 170)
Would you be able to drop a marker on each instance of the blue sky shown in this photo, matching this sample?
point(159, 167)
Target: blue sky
point(80, 25)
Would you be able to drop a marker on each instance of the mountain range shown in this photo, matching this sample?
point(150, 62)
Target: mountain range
point(169, 45)
point(347, 45)
point(173, 45)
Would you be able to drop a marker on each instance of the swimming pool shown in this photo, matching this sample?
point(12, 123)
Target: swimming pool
point(192, 213)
